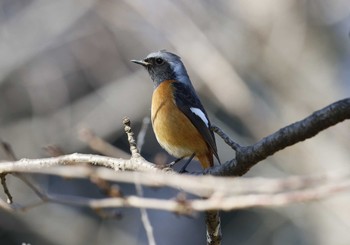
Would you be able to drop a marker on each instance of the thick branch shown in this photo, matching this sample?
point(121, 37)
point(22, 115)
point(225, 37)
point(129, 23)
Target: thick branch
point(248, 156)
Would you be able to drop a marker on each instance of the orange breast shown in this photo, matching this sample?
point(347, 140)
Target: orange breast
point(174, 131)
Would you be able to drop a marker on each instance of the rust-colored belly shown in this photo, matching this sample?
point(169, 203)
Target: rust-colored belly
point(174, 131)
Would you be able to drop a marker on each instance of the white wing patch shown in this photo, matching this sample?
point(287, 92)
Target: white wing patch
point(200, 114)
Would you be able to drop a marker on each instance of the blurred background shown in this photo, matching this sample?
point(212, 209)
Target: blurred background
point(257, 66)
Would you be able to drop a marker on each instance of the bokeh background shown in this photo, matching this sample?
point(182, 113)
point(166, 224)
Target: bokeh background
point(257, 66)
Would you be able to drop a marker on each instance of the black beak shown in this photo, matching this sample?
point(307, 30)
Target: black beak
point(141, 62)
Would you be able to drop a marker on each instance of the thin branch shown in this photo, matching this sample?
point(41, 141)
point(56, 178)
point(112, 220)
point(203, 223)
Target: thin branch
point(248, 156)
point(9, 154)
point(144, 217)
point(118, 164)
point(132, 142)
point(100, 145)
point(142, 134)
point(32, 186)
point(223, 193)
point(213, 223)
point(53, 150)
point(5, 206)
point(218, 199)
point(187, 207)
point(204, 186)
point(5, 187)
point(326, 117)
point(222, 197)
point(8, 151)
point(234, 145)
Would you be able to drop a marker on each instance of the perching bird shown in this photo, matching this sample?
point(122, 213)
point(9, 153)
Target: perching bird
point(180, 123)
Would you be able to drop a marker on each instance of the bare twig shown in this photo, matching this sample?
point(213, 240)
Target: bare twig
point(204, 186)
point(53, 150)
point(8, 154)
point(221, 197)
point(100, 145)
point(144, 217)
point(217, 201)
point(132, 142)
point(142, 134)
point(5, 206)
point(223, 193)
point(7, 150)
point(32, 186)
point(5, 187)
point(118, 164)
point(213, 223)
point(234, 145)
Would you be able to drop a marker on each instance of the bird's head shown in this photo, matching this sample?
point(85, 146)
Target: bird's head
point(163, 66)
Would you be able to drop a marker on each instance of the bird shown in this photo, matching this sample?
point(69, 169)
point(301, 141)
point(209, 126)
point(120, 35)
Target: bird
point(180, 122)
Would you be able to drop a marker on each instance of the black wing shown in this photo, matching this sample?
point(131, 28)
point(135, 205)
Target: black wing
point(185, 99)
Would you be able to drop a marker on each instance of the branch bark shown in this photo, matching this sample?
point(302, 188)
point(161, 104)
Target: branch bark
point(219, 200)
point(118, 164)
point(248, 156)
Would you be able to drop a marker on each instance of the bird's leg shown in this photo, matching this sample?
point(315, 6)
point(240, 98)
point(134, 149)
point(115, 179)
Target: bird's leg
point(176, 161)
point(183, 169)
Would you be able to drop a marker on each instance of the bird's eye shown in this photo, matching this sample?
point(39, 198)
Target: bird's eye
point(159, 61)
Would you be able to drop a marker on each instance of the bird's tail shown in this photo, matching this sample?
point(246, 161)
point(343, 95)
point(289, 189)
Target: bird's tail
point(206, 160)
